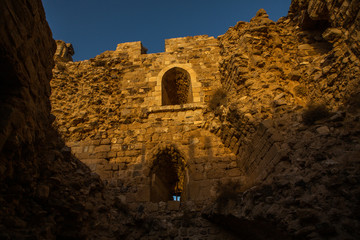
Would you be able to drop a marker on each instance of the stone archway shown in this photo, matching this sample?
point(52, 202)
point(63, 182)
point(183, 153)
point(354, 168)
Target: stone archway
point(167, 175)
point(176, 87)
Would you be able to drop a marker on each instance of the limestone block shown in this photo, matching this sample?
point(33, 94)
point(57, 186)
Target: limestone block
point(197, 99)
point(269, 156)
point(99, 155)
point(265, 149)
point(323, 130)
point(89, 149)
point(233, 142)
point(72, 144)
point(153, 79)
point(161, 130)
point(77, 149)
point(102, 148)
point(116, 147)
point(215, 173)
point(82, 155)
point(236, 148)
point(103, 173)
point(64, 51)
point(138, 146)
point(111, 154)
point(120, 154)
point(96, 142)
point(105, 141)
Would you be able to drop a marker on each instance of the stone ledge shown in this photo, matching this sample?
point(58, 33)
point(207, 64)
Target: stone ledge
point(176, 108)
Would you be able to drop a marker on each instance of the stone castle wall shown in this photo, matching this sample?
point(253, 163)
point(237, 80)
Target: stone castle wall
point(308, 173)
point(284, 74)
point(41, 185)
point(111, 113)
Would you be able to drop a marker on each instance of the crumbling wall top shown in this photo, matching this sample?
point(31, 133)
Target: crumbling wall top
point(131, 48)
point(174, 44)
point(171, 45)
point(64, 51)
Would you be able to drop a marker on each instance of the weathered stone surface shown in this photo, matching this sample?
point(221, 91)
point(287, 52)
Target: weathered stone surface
point(307, 157)
point(296, 180)
point(45, 193)
point(64, 51)
point(343, 15)
point(143, 103)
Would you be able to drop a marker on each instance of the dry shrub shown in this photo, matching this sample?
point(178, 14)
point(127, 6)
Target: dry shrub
point(218, 98)
point(355, 100)
point(226, 192)
point(61, 66)
point(315, 112)
point(121, 206)
point(300, 91)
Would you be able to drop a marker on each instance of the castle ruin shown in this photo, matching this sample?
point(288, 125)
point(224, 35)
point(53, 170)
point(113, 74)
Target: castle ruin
point(252, 135)
point(151, 131)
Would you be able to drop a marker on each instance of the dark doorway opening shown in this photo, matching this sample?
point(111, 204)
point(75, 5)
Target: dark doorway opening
point(167, 175)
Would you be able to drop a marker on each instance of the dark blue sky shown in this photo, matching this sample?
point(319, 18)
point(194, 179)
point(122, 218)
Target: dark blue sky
point(94, 26)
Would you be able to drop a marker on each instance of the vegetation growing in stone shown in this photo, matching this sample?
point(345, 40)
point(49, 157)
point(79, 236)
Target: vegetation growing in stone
point(60, 66)
point(315, 112)
point(226, 192)
point(218, 98)
point(353, 100)
point(300, 91)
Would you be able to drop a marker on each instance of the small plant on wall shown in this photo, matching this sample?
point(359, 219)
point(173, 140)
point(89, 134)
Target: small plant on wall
point(315, 112)
point(218, 98)
point(61, 66)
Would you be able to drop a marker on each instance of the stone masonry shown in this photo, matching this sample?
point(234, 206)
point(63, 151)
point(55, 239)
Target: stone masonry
point(257, 128)
point(287, 118)
point(112, 113)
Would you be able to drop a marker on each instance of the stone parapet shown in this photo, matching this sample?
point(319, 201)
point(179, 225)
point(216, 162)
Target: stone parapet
point(190, 43)
point(131, 48)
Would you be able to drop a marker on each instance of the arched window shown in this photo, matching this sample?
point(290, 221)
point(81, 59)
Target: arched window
point(176, 87)
point(167, 175)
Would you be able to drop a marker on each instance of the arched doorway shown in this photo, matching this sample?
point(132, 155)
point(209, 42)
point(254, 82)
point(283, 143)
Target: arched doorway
point(168, 175)
point(176, 87)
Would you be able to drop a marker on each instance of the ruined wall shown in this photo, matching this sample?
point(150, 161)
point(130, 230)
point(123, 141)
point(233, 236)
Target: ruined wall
point(64, 51)
point(110, 111)
point(296, 176)
point(122, 86)
point(20, 69)
point(280, 71)
point(44, 192)
point(341, 17)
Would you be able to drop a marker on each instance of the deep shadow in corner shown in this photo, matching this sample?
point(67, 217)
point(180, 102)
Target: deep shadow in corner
point(257, 229)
